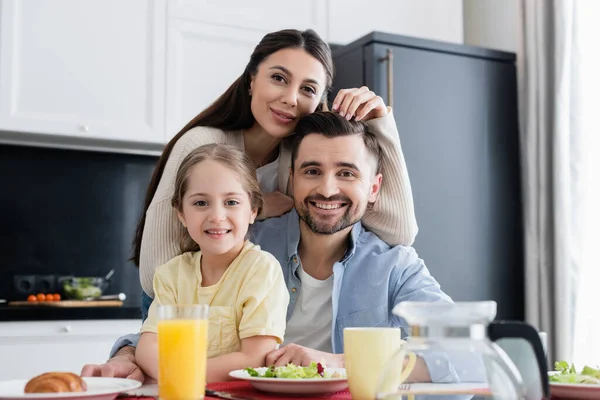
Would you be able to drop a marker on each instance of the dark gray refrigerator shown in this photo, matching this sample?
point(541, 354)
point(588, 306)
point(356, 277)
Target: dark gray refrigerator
point(456, 110)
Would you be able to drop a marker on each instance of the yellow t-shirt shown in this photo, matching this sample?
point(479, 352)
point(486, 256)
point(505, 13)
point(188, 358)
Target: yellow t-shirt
point(250, 299)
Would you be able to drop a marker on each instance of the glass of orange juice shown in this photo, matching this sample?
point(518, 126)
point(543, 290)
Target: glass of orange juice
point(182, 348)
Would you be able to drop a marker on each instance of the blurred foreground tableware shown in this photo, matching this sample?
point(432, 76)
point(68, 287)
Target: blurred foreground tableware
point(575, 391)
point(97, 389)
point(367, 351)
point(461, 343)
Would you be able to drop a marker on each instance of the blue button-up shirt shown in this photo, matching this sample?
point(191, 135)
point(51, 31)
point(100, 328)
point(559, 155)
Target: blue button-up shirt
point(369, 281)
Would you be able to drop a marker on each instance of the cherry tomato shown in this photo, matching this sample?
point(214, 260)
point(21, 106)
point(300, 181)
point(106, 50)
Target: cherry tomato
point(41, 297)
point(56, 297)
point(31, 298)
point(49, 297)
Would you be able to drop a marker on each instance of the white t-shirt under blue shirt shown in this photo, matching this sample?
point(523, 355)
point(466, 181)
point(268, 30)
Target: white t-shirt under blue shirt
point(310, 322)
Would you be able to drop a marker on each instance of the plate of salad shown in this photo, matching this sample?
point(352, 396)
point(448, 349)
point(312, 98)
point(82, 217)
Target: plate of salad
point(294, 379)
point(566, 382)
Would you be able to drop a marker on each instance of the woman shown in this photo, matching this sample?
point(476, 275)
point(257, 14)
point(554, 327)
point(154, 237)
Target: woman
point(289, 75)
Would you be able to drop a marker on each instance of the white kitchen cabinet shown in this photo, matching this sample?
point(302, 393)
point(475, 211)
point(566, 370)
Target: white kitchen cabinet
point(98, 69)
point(258, 15)
point(209, 44)
point(202, 62)
point(88, 69)
point(31, 348)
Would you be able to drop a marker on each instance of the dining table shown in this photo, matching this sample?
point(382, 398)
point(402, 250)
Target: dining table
point(243, 390)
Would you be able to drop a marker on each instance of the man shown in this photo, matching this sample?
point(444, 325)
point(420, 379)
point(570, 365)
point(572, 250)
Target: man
point(338, 275)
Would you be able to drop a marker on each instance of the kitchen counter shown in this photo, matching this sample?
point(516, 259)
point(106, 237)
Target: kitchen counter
point(10, 313)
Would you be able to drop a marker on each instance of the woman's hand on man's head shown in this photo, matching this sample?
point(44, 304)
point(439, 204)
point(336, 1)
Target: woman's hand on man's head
point(360, 103)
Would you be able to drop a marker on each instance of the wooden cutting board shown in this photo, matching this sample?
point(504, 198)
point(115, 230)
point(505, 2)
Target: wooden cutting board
point(68, 303)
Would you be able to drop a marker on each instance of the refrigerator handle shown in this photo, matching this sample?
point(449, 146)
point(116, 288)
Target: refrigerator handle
point(389, 59)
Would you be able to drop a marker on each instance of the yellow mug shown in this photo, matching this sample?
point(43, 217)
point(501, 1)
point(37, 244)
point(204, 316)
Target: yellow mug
point(367, 352)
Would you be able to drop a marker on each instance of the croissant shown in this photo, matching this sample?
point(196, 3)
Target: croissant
point(54, 382)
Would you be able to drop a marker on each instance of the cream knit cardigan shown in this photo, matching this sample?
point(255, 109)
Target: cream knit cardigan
point(392, 218)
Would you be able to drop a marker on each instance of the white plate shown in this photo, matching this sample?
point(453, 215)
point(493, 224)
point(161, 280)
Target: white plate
point(294, 386)
point(97, 389)
point(575, 390)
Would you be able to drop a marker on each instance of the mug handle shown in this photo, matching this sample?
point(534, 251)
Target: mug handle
point(517, 329)
point(408, 368)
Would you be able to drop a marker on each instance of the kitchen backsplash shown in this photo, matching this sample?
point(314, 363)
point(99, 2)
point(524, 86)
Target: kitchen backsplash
point(70, 212)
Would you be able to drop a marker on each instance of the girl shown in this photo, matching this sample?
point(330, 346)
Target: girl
point(289, 75)
point(216, 197)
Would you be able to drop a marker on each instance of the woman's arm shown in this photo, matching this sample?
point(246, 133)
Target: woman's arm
point(160, 241)
point(146, 354)
point(162, 230)
point(165, 290)
point(392, 217)
point(276, 204)
point(252, 354)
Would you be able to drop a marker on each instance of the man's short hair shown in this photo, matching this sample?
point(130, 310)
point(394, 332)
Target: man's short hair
point(331, 125)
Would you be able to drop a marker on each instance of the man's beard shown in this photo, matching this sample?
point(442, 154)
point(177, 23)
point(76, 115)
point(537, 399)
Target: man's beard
point(320, 228)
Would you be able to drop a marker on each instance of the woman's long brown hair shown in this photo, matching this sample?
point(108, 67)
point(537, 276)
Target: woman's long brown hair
point(231, 111)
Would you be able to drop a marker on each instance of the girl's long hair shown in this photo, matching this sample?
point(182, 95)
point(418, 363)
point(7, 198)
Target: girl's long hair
point(231, 111)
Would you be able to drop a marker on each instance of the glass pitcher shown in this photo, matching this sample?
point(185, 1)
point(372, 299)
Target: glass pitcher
point(459, 357)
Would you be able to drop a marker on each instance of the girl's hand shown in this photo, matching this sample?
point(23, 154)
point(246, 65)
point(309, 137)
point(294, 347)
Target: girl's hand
point(277, 204)
point(361, 103)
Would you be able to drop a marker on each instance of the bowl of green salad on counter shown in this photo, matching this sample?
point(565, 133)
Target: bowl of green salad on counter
point(84, 288)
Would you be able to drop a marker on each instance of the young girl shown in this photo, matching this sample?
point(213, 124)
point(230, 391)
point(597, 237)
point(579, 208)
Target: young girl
point(216, 197)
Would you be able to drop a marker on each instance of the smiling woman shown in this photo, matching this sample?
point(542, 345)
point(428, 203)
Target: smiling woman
point(288, 85)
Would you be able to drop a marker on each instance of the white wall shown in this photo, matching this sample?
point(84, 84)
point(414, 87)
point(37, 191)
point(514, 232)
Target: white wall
point(491, 23)
point(429, 19)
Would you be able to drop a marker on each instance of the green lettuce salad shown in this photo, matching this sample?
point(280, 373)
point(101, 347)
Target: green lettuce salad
point(568, 374)
point(291, 371)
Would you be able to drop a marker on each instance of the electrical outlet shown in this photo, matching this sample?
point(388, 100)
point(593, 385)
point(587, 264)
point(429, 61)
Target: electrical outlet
point(24, 285)
point(45, 283)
